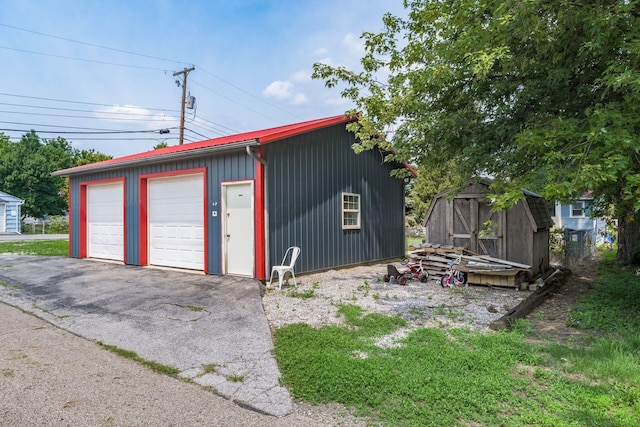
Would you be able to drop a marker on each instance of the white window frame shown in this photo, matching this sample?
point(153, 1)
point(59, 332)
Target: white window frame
point(347, 207)
point(582, 209)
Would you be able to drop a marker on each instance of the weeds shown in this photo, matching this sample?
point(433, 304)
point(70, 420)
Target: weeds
point(295, 293)
point(154, 366)
point(235, 378)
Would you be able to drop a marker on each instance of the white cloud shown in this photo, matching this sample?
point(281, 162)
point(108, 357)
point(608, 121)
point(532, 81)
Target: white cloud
point(301, 76)
point(285, 91)
point(299, 99)
point(321, 51)
point(336, 101)
point(279, 90)
point(353, 43)
point(326, 60)
point(133, 114)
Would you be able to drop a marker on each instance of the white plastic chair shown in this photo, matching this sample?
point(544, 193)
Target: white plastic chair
point(283, 269)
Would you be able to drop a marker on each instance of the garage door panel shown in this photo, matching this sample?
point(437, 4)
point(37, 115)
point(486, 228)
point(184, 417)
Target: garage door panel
point(176, 222)
point(105, 221)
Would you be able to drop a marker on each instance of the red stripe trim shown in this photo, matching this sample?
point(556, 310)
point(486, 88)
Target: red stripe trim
point(259, 262)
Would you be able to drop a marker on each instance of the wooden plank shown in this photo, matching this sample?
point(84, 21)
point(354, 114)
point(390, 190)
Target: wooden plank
point(552, 284)
point(504, 261)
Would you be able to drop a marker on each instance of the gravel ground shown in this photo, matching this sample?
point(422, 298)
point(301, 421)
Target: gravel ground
point(318, 296)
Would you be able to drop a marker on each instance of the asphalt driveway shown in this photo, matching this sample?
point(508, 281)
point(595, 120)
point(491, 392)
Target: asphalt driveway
point(192, 322)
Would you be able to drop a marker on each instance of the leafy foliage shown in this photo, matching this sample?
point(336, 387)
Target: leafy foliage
point(538, 94)
point(26, 167)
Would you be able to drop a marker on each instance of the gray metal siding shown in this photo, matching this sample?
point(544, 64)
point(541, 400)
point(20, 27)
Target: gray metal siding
point(227, 167)
point(306, 176)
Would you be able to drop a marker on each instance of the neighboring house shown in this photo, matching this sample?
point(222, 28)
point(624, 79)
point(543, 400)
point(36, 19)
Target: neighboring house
point(233, 205)
point(9, 213)
point(581, 233)
point(576, 216)
point(520, 234)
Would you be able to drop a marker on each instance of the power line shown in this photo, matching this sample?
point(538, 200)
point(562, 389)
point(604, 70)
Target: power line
point(73, 127)
point(141, 67)
point(85, 103)
point(234, 101)
point(92, 44)
point(150, 119)
point(248, 93)
point(81, 111)
point(199, 134)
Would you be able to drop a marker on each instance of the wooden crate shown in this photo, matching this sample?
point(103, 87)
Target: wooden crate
point(511, 280)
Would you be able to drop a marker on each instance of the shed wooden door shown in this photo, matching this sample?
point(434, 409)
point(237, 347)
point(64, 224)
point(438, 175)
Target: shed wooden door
point(176, 221)
point(473, 226)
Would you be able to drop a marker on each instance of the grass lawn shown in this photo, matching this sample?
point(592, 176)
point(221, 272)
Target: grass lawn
point(36, 247)
point(449, 377)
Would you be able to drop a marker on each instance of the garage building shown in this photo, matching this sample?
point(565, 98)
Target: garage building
point(232, 205)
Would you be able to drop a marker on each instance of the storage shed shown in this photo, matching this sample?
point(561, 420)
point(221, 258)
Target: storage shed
point(520, 234)
point(233, 205)
point(9, 213)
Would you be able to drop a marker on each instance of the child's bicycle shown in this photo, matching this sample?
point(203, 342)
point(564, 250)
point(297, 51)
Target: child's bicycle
point(453, 277)
point(412, 270)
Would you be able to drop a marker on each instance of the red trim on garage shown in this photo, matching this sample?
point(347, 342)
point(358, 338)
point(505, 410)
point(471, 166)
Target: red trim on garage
point(83, 214)
point(143, 209)
point(70, 216)
point(258, 214)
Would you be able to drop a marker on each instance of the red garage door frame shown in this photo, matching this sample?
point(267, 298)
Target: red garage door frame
point(83, 213)
point(143, 203)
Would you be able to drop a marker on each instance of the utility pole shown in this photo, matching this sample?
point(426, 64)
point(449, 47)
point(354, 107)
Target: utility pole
point(184, 73)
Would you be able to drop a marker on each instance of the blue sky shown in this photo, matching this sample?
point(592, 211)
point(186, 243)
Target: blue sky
point(76, 66)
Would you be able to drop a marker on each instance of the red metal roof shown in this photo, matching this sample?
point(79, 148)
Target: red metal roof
point(263, 136)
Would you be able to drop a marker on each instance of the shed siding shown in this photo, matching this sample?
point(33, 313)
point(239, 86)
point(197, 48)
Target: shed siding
point(11, 207)
point(524, 238)
point(227, 167)
point(306, 177)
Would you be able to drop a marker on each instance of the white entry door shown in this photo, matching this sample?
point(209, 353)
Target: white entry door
point(105, 221)
point(238, 246)
point(176, 221)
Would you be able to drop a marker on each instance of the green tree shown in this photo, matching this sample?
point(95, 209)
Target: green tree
point(84, 157)
point(538, 94)
point(26, 167)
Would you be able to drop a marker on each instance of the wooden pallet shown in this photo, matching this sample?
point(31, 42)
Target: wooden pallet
point(480, 269)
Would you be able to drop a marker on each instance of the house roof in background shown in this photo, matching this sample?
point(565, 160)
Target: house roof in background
point(6, 197)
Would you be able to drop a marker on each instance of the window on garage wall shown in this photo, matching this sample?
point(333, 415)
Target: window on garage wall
point(350, 211)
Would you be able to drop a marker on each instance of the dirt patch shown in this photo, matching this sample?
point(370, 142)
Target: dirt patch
point(549, 319)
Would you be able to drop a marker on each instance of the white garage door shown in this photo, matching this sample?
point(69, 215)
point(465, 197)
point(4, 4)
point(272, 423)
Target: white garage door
point(105, 221)
point(176, 221)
